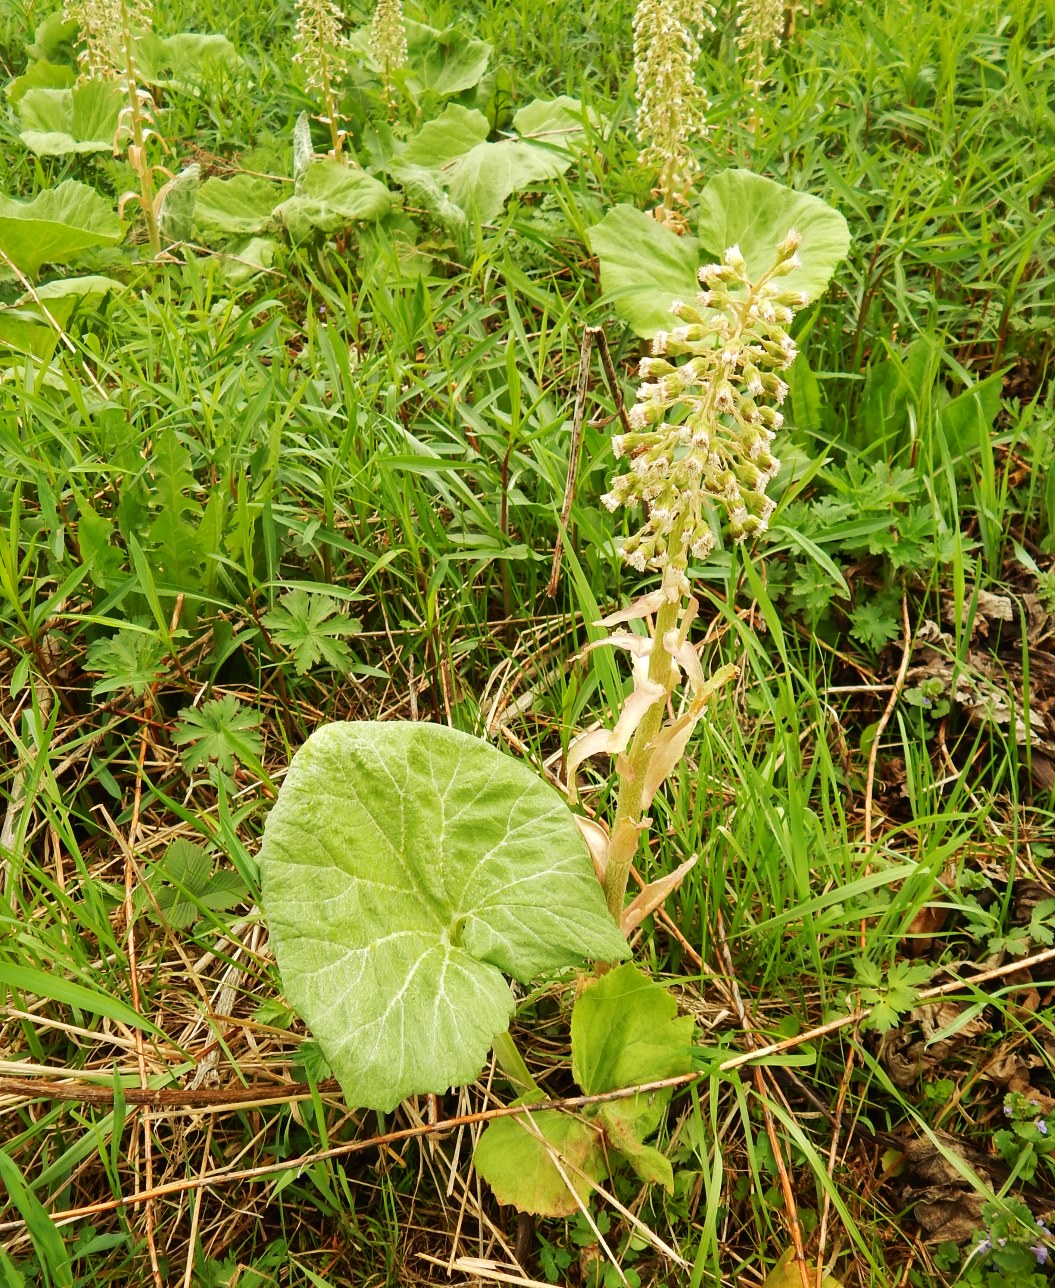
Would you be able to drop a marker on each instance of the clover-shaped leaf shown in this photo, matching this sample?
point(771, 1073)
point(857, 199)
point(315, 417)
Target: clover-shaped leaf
point(406, 867)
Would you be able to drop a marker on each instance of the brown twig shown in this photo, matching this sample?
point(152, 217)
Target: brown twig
point(486, 1115)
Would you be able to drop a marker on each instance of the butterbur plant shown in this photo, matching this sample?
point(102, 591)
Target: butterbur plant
point(672, 107)
point(108, 29)
point(322, 52)
point(409, 869)
point(388, 46)
point(761, 29)
point(699, 444)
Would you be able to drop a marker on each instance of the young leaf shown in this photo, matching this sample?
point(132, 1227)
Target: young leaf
point(405, 868)
point(515, 1156)
point(892, 996)
point(625, 1029)
point(302, 623)
point(220, 733)
point(130, 660)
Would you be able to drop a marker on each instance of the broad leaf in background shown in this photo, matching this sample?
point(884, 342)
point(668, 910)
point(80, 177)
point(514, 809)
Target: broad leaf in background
point(438, 62)
point(406, 867)
point(188, 61)
point(56, 226)
point(40, 75)
point(330, 196)
point(557, 121)
point(515, 1156)
point(738, 208)
point(60, 122)
point(24, 326)
point(625, 1029)
point(644, 268)
point(235, 207)
point(479, 176)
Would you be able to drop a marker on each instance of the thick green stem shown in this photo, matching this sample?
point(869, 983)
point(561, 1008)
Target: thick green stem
point(629, 808)
point(512, 1064)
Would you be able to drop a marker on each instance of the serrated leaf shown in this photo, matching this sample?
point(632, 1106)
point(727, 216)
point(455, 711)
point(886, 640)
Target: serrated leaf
point(56, 226)
point(739, 208)
point(306, 625)
point(220, 732)
point(235, 207)
point(130, 661)
point(186, 863)
point(521, 1171)
point(405, 867)
point(82, 119)
point(644, 268)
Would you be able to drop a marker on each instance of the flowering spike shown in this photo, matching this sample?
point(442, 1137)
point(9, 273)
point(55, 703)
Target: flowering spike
point(672, 108)
point(322, 50)
point(388, 44)
point(701, 432)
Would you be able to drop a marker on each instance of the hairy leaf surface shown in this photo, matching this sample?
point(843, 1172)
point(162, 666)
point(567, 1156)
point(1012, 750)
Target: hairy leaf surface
point(406, 867)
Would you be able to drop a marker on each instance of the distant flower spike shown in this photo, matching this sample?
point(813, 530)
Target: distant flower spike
point(388, 44)
point(322, 50)
point(672, 107)
point(761, 24)
point(104, 25)
point(701, 431)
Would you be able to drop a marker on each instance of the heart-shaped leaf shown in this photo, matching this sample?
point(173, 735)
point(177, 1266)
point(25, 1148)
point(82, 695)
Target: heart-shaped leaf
point(644, 268)
point(479, 176)
point(61, 122)
point(330, 196)
point(56, 225)
point(188, 61)
point(738, 208)
point(405, 867)
point(235, 207)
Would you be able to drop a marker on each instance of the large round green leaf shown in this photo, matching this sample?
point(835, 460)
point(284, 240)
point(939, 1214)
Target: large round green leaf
point(644, 267)
point(56, 225)
point(405, 868)
point(85, 118)
point(738, 208)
